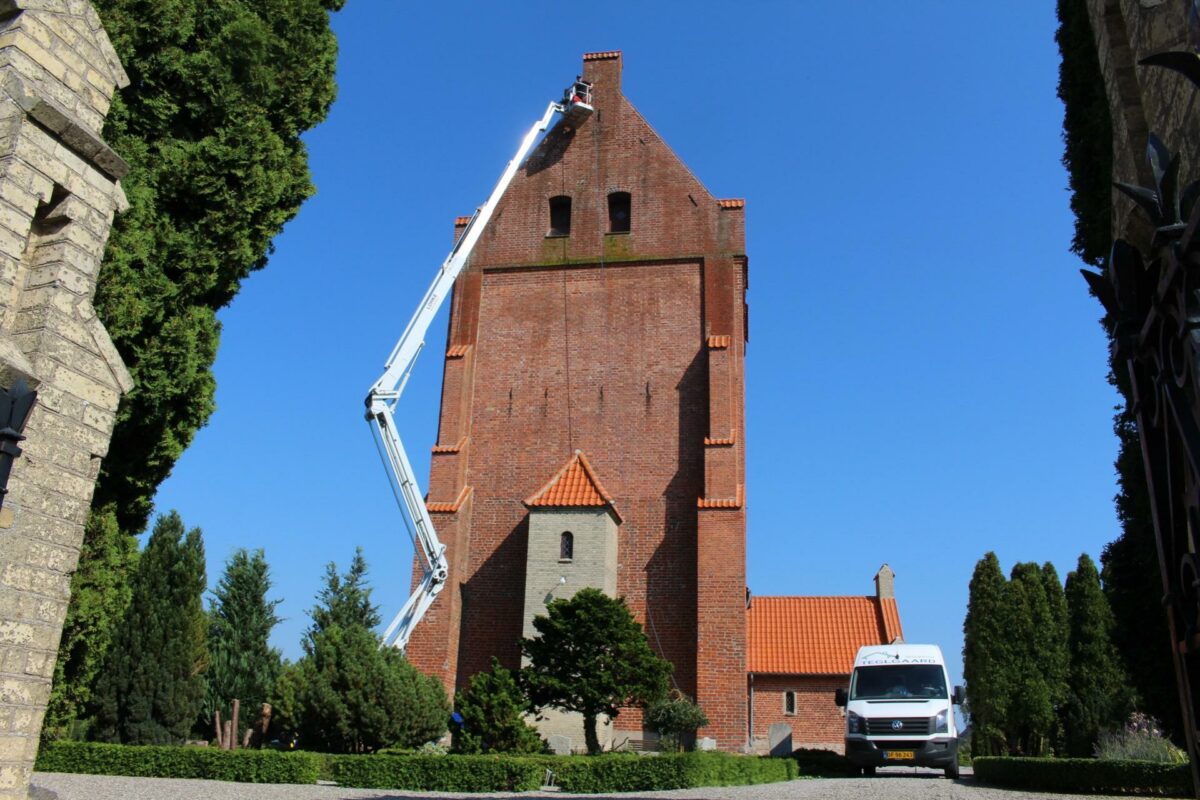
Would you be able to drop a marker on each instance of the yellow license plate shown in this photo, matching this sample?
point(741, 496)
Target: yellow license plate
point(899, 755)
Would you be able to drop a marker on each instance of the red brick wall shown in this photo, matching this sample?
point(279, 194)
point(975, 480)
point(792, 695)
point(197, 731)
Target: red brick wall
point(601, 342)
point(817, 722)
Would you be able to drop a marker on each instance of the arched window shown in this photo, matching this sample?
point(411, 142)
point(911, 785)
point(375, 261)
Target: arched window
point(566, 546)
point(789, 702)
point(560, 216)
point(618, 212)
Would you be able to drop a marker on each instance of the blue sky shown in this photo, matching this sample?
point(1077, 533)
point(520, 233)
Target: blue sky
point(925, 373)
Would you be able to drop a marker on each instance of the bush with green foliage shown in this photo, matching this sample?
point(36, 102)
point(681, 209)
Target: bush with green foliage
point(210, 763)
point(344, 600)
point(153, 684)
point(492, 709)
point(451, 773)
point(242, 665)
point(620, 772)
point(589, 655)
point(986, 657)
point(676, 720)
point(349, 695)
point(1085, 775)
point(823, 763)
point(1140, 739)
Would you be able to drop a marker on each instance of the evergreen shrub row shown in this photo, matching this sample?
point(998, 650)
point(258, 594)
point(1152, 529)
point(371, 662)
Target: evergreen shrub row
point(155, 761)
point(823, 763)
point(621, 772)
point(1085, 775)
point(426, 773)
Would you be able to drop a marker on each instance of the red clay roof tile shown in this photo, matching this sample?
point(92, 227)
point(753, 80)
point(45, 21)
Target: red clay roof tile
point(736, 502)
point(733, 202)
point(575, 485)
point(719, 342)
point(450, 448)
point(603, 54)
point(718, 441)
point(449, 508)
point(460, 221)
point(457, 351)
point(816, 635)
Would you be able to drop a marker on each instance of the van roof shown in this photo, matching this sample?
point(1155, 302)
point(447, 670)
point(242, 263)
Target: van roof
point(882, 654)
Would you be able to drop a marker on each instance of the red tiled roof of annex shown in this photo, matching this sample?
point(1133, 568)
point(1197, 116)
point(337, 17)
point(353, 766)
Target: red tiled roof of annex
point(816, 635)
point(575, 484)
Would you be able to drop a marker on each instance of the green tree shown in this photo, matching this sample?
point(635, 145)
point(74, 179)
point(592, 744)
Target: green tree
point(1031, 719)
point(1055, 658)
point(344, 601)
point(592, 657)
point(349, 695)
point(1099, 690)
point(220, 94)
point(152, 685)
point(676, 719)
point(100, 595)
point(242, 664)
point(986, 659)
point(492, 708)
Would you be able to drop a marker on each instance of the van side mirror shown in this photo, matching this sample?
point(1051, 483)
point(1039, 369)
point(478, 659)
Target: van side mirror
point(959, 696)
point(839, 697)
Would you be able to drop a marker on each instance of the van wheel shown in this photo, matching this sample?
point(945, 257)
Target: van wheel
point(868, 771)
point(952, 771)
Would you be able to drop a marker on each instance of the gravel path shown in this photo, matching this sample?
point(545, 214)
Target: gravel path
point(894, 784)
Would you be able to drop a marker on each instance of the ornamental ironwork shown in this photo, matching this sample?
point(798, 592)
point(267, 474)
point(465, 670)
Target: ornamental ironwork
point(1153, 305)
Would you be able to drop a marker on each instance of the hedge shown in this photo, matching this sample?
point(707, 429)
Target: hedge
point(246, 766)
point(434, 773)
point(634, 773)
point(823, 763)
point(1085, 775)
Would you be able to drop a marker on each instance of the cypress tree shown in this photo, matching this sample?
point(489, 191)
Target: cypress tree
point(1031, 628)
point(100, 595)
point(221, 91)
point(242, 664)
point(152, 685)
point(1055, 655)
point(985, 658)
point(1099, 694)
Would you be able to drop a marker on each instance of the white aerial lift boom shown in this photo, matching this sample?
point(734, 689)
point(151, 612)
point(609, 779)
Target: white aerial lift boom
point(575, 106)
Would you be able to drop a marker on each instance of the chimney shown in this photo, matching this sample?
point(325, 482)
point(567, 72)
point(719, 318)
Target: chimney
point(603, 70)
point(885, 583)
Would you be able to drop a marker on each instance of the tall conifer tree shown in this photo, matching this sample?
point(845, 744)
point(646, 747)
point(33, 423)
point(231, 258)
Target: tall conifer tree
point(1055, 656)
point(152, 685)
point(1099, 693)
point(985, 658)
point(345, 600)
point(242, 664)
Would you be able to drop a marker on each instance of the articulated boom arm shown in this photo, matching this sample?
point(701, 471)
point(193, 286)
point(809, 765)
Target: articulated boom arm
point(381, 400)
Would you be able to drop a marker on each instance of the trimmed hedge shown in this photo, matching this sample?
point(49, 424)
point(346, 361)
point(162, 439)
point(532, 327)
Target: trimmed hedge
point(1085, 775)
point(422, 773)
point(154, 761)
point(633, 773)
point(823, 763)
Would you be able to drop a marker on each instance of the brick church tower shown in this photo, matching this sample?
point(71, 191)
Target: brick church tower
point(602, 315)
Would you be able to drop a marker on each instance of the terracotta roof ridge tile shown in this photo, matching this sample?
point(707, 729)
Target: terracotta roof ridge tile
point(576, 484)
point(449, 508)
point(732, 202)
point(719, 342)
point(601, 55)
point(457, 350)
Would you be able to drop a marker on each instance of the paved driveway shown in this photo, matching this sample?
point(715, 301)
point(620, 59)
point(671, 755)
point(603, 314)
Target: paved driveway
point(893, 784)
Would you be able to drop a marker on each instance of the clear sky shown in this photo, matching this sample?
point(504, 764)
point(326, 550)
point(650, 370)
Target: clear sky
point(925, 372)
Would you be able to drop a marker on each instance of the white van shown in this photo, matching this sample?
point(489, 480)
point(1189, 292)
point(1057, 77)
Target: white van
point(899, 709)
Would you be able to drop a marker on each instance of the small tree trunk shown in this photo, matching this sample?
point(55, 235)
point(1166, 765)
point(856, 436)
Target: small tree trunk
point(227, 742)
point(589, 734)
point(220, 730)
point(235, 717)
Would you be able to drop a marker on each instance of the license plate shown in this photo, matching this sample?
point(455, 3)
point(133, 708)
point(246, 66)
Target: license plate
point(899, 755)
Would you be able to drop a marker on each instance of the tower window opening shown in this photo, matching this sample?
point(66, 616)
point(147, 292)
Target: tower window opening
point(789, 702)
point(618, 212)
point(560, 216)
point(566, 546)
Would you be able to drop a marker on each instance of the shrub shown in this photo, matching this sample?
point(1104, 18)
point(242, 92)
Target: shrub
point(823, 763)
point(449, 773)
point(676, 721)
point(491, 708)
point(156, 761)
point(1085, 775)
point(349, 695)
point(619, 772)
point(1140, 740)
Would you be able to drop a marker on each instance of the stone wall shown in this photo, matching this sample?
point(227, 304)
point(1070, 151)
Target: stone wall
point(59, 190)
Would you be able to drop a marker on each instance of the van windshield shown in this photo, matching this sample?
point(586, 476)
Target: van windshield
point(899, 682)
